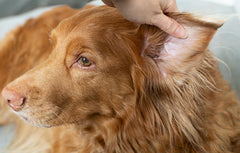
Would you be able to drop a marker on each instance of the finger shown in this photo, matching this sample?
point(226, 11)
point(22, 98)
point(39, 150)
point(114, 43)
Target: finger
point(169, 25)
point(108, 2)
point(172, 7)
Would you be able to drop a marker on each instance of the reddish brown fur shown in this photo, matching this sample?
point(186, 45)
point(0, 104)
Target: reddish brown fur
point(124, 103)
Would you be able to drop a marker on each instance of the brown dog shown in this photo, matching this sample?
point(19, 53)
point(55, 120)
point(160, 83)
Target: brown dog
point(118, 87)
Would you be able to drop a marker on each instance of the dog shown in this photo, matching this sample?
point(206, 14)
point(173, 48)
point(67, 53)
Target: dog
point(104, 84)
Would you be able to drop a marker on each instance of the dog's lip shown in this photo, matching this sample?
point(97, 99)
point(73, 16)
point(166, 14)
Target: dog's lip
point(24, 117)
point(40, 121)
point(32, 122)
point(18, 108)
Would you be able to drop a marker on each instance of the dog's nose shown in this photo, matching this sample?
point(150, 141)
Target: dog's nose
point(14, 99)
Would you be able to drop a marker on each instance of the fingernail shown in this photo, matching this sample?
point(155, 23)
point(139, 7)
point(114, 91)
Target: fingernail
point(181, 33)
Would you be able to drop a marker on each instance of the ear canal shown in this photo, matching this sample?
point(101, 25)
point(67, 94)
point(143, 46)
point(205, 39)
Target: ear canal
point(178, 55)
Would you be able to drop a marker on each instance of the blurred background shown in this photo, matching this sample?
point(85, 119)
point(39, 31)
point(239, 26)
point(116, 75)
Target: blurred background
point(225, 45)
point(14, 7)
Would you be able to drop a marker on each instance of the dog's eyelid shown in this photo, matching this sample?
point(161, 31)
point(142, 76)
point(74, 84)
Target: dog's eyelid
point(92, 66)
point(86, 56)
point(85, 52)
point(79, 54)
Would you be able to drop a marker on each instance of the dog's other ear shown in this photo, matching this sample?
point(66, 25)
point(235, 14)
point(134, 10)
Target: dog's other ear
point(173, 55)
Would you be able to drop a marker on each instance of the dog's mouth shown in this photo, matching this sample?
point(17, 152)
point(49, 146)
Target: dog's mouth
point(46, 119)
point(37, 123)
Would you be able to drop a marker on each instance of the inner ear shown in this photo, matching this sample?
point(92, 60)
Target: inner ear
point(178, 55)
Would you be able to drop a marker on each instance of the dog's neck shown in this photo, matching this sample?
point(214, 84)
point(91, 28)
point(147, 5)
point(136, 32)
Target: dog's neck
point(150, 132)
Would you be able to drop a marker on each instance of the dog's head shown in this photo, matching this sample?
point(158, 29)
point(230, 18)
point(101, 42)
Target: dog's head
point(103, 66)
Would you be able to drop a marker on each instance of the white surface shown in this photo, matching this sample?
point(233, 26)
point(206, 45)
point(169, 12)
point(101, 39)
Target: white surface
point(7, 24)
point(6, 134)
point(224, 2)
point(96, 2)
point(237, 7)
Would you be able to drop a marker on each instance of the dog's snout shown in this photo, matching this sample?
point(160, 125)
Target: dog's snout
point(15, 99)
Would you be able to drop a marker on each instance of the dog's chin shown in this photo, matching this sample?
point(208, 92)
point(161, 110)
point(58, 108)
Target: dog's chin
point(35, 122)
point(41, 125)
point(36, 118)
point(46, 123)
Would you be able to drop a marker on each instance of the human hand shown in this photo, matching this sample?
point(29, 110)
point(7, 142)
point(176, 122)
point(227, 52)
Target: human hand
point(150, 12)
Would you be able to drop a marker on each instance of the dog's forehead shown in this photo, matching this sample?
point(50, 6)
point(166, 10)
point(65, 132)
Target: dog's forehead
point(94, 19)
point(91, 27)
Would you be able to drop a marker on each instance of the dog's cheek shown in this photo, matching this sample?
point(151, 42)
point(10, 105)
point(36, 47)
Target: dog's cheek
point(103, 92)
point(78, 98)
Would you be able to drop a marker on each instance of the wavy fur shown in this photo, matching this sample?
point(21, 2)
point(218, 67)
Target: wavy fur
point(139, 97)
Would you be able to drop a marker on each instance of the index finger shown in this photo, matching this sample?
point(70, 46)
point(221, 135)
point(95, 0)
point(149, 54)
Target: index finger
point(169, 25)
point(172, 7)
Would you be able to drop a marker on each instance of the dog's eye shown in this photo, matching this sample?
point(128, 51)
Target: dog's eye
point(83, 61)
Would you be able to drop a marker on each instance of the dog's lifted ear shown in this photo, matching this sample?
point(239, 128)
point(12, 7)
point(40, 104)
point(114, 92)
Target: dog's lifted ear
point(178, 55)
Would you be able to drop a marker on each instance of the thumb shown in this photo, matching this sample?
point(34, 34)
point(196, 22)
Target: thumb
point(169, 25)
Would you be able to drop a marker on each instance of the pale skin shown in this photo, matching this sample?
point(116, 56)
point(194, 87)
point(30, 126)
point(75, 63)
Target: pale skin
point(150, 12)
